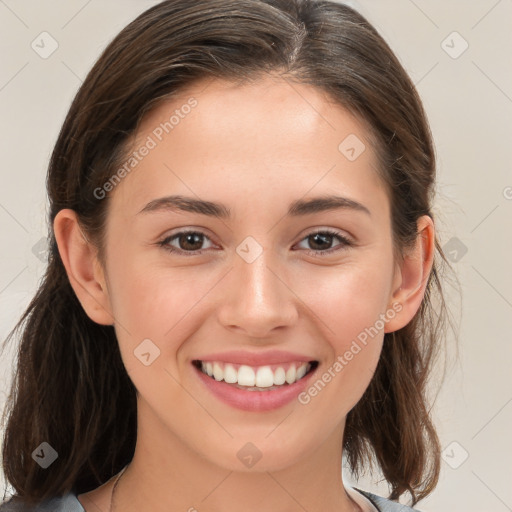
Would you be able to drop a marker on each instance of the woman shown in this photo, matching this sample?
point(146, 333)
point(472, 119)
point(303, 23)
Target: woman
point(241, 274)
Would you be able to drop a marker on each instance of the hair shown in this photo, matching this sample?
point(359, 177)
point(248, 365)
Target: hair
point(70, 387)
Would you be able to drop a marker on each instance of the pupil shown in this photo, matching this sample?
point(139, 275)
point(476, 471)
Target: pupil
point(190, 237)
point(323, 238)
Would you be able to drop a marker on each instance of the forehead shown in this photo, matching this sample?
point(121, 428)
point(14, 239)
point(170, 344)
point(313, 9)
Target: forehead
point(268, 136)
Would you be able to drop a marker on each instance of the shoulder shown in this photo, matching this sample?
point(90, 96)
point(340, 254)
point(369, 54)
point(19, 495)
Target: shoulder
point(385, 505)
point(66, 503)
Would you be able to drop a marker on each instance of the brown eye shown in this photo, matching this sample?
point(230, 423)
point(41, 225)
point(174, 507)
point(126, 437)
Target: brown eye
point(189, 243)
point(320, 242)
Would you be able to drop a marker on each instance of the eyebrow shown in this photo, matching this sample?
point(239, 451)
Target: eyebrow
point(298, 208)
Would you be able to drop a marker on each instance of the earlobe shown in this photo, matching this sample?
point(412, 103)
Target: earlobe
point(413, 275)
point(82, 267)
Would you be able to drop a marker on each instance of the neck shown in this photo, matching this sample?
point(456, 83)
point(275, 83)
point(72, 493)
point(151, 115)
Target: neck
point(165, 474)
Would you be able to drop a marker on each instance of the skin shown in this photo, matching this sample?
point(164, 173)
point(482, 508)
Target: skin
point(256, 148)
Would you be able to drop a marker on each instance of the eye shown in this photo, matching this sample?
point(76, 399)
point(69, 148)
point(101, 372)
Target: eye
point(190, 242)
point(324, 237)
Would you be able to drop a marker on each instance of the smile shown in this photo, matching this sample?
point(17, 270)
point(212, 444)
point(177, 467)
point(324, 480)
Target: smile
point(256, 378)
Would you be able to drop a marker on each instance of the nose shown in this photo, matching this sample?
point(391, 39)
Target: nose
point(257, 300)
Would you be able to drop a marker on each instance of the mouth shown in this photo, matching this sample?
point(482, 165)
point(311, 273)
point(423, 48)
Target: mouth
point(256, 378)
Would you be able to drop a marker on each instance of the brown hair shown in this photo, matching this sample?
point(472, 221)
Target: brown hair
point(70, 387)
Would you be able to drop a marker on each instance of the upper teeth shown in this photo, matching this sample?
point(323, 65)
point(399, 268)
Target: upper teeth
point(261, 376)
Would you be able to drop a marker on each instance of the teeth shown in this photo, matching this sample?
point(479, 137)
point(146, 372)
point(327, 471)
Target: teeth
point(260, 377)
point(279, 376)
point(301, 371)
point(246, 376)
point(291, 374)
point(230, 374)
point(218, 374)
point(264, 377)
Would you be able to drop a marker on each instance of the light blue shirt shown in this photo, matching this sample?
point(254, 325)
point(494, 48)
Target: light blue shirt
point(70, 503)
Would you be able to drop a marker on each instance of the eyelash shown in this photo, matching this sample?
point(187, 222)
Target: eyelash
point(345, 242)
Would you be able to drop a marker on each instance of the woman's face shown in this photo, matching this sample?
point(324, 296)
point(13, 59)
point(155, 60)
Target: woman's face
point(249, 282)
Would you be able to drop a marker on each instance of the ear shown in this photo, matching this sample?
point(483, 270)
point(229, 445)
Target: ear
point(412, 275)
point(83, 268)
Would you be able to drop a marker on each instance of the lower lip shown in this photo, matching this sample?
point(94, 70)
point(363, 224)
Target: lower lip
point(256, 401)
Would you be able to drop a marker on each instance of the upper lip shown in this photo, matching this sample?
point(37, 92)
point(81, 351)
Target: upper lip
point(256, 358)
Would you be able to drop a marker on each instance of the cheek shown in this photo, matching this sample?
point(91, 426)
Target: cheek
point(350, 307)
point(345, 300)
point(155, 304)
point(340, 384)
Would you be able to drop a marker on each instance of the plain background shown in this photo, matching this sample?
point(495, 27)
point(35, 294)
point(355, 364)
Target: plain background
point(467, 93)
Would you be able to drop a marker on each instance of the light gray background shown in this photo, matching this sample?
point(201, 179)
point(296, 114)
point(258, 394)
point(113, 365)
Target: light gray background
point(469, 103)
